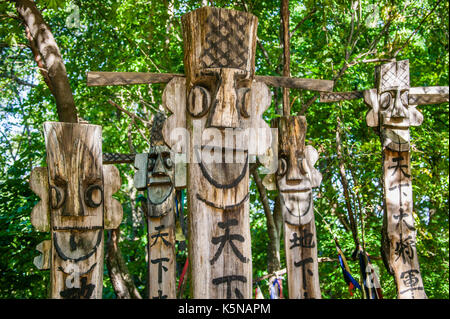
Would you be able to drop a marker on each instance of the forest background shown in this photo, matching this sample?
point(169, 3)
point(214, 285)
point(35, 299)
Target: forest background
point(329, 39)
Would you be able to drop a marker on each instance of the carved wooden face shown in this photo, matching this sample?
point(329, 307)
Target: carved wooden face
point(390, 108)
point(296, 175)
point(75, 174)
point(160, 168)
point(219, 61)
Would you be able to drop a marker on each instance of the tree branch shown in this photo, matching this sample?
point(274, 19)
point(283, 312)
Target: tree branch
point(42, 38)
point(273, 247)
point(415, 31)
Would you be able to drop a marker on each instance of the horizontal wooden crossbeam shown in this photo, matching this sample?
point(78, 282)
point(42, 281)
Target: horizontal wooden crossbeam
point(117, 158)
point(417, 95)
point(129, 78)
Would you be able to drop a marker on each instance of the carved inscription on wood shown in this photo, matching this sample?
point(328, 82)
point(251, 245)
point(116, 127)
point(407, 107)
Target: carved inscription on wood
point(392, 113)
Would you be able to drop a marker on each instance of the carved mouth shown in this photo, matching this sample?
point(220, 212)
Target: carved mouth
point(159, 189)
point(295, 190)
point(394, 122)
point(77, 246)
point(223, 175)
point(297, 205)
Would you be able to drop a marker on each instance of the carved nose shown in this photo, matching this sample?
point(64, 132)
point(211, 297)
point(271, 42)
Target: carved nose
point(72, 204)
point(159, 166)
point(224, 112)
point(399, 109)
point(297, 172)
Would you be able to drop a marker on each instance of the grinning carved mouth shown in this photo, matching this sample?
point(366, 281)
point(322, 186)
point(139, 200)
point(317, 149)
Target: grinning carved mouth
point(298, 213)
point(222, 175)
point(85, 241)
point(295, 190)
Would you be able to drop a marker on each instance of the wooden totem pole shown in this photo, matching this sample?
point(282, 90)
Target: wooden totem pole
point(155, 174)
point(295, 179)
point(218, 103)
point(76, 206)
point(393, 115)
point(392, 111)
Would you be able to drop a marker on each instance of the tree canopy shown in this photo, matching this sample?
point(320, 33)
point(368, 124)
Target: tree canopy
point(329, 39)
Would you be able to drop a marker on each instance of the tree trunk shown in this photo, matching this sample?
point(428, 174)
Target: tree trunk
point(41, 38)
point(273, 230)
point(286, 53)
point(120, 277)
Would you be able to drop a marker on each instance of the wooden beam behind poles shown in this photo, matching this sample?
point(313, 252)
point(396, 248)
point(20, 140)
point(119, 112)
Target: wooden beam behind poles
point(129, 78)
point(76, 206)
point(417, 95)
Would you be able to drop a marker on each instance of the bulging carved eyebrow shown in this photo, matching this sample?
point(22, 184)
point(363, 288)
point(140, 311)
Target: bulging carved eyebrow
point(392, 88)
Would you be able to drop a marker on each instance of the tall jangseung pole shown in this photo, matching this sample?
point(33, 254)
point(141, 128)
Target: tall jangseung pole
point(392, 112)
point(76, 206)
point(216, 103)
point(295, 179)
point(393, 115)
point(156, 175)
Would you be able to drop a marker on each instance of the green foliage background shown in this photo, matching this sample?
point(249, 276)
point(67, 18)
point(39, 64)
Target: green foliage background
point(145, 36)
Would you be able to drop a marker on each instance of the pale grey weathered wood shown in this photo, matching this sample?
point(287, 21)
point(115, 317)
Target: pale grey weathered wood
point(417, 95)
point(96, 78)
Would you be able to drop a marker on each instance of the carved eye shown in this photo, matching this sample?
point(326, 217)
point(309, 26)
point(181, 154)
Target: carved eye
point(404, 98)
point(199, 101)
point(282, 166)
point(151, 164)
point(168, 162)
point(93, 196)
point(385, 100)
point(304, 166)
point(243, 101)
point(57, 196)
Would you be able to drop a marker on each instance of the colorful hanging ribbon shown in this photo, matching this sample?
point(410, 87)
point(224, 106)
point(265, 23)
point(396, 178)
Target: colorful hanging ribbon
point(349, 280)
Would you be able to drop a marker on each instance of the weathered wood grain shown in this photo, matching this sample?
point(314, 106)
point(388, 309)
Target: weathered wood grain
point(42, 262)
point(97, 78)
point(428, 95)
point(76, 190)
point(128, 78)
point(113, 211)
point(295, 179)
point(401, 232)
point(40, 215)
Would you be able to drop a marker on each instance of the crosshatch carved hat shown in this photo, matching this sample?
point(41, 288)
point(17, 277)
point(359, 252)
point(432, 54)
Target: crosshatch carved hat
point(219, 38)
point(394, 74)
